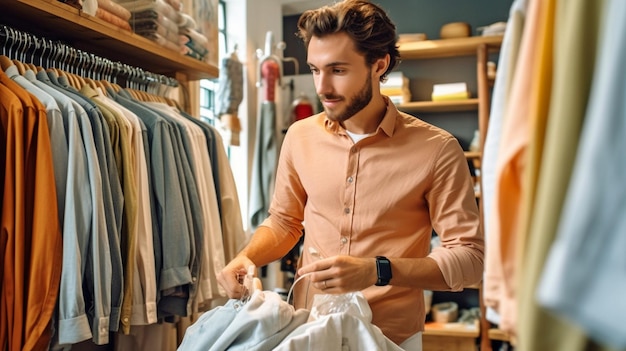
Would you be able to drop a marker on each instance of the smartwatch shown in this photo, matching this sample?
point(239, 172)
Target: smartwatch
point(383, 269)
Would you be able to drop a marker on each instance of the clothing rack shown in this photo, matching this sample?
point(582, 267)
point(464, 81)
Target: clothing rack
point(140, 176)
point(26, 47)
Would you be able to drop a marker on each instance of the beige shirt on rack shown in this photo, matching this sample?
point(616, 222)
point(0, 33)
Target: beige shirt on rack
point(144, 309)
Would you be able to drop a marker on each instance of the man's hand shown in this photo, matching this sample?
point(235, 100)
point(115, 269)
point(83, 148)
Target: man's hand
point(231, 277)
point(341, 274)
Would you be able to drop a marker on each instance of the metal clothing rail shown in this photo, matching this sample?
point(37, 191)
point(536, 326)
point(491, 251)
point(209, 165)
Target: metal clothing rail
point(28, 48)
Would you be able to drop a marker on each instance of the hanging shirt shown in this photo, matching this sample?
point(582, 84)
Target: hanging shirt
point(584, 277)
point(125, 161)
point(96, 253)
point(507, 62)
point(30, 239)
point(144, 286)
point(57, 132)
point(179, 283)
point(577, 35)
point(171, 226)
point(506, 222)
point(264, 165)
point(212, 251)
point(234, 236)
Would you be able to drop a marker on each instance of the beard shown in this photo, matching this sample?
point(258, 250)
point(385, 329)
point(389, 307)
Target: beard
point(355, 104)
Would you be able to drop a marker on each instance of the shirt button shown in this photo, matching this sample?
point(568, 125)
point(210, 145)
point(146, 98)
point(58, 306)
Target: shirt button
point(344, 240)
point(346, 210)
point(193, 279)
point(350, 179)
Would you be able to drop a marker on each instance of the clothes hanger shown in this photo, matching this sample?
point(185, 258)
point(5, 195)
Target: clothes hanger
point(22, 42)
point(7, 48)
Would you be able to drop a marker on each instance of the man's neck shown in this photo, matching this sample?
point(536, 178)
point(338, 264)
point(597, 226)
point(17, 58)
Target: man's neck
point(367, 120)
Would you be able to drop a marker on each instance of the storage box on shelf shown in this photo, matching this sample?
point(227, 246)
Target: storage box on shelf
point(439, 336)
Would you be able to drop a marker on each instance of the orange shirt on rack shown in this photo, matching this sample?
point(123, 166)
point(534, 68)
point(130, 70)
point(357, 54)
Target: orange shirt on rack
point(31, 234)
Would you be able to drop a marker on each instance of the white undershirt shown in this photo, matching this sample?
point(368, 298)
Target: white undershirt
point(356, 137)
point(413, 343)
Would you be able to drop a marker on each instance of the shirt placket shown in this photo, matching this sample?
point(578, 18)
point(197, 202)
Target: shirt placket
point(348, 202)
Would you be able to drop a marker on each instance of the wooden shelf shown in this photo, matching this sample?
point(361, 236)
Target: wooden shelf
point(446, 47)
point(450, 337)
point(54, 20)
point(440, 106)
point(498, 334)
point(452, 329)
point(472, 154)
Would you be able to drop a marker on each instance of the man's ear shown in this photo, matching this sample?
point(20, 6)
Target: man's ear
point(380, 66)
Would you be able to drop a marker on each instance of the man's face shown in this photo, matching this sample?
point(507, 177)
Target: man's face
point(343, 81)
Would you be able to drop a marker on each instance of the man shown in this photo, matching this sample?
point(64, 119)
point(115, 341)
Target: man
point(369, 183)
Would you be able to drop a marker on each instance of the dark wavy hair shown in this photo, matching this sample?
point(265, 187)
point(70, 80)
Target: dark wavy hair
point(371, 30)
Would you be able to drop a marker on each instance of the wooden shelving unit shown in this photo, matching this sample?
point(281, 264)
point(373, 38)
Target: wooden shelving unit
point(439, 337)
point(446, 47)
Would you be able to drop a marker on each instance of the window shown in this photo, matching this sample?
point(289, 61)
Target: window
point(237, 155)
point(208, 87)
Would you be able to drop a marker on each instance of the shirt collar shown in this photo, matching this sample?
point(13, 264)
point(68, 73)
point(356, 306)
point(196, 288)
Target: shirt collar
point(387, 125)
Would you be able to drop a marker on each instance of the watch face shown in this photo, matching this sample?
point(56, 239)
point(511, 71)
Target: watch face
point(383, 268)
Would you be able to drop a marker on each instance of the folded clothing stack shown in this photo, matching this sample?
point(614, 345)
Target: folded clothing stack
point(155, 20)
point(195, 44)
point(163, 22)
point(450, 91)
point(113, 13)
point(396, 87)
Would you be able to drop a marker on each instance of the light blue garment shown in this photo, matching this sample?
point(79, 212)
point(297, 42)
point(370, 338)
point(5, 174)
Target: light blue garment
point(259, 324)
point(56, 131)
point(98, 270)
point(584, 277)
point(73, 322)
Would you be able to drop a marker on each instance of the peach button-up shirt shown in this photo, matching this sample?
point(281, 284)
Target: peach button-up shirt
point(383, 195)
